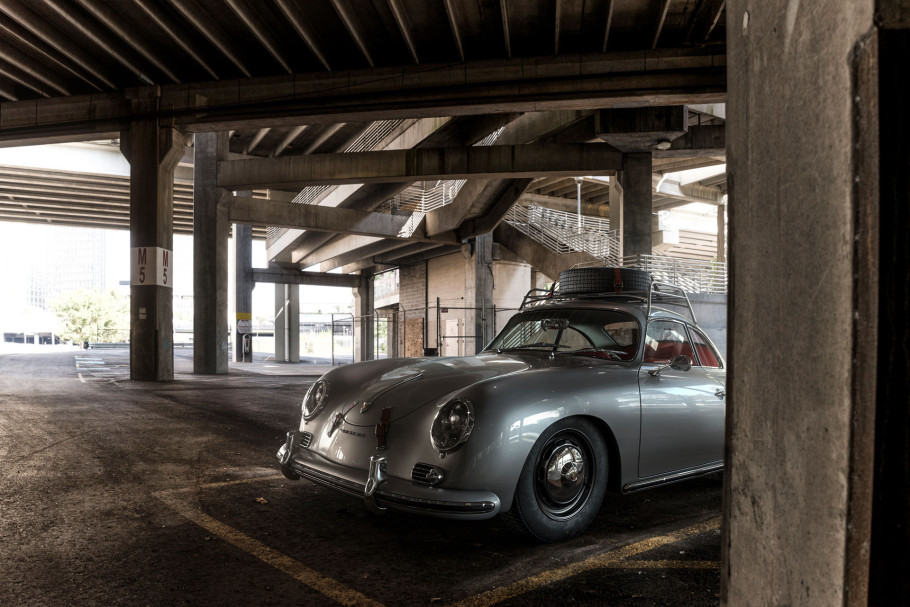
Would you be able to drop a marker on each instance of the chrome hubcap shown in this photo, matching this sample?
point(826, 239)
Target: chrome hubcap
point(562, 485)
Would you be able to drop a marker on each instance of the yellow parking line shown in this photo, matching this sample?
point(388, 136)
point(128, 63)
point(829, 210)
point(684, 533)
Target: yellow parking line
point(666, 565)
point(609, 559)
point(218, 485)
point(327, 586)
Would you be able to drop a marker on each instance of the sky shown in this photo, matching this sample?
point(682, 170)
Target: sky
point(21, 241)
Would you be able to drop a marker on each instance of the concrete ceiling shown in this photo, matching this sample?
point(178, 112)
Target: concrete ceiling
point(294, 78)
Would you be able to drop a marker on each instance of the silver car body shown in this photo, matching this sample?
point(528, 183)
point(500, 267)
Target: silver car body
point(658, 428)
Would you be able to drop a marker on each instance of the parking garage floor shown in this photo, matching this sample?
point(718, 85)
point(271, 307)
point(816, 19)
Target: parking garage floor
point(115, 492)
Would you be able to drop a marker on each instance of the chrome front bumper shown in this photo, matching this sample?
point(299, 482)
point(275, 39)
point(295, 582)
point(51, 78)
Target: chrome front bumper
point(383, 491)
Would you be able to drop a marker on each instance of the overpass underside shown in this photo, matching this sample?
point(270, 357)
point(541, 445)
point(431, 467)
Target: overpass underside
point(325, 119)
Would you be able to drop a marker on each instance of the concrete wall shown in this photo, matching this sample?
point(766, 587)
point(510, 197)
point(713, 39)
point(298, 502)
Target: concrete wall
point(789, 410)
point(711, 312)
point(511, 281)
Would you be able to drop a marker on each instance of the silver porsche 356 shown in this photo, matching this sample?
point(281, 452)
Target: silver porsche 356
point(602, 383)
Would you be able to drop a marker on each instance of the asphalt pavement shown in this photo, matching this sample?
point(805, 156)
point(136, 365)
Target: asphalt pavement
point(114, 492)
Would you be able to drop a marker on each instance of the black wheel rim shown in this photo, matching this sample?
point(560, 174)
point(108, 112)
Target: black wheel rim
point(564, 474)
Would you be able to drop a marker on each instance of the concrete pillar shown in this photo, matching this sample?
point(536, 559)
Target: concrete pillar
point(243, 281)
point(479, 271)
point(722, 233)
point(636, 203)
point(153, 152)
point(210, 257)
point(616, 211)
point(816, 485)
point(364, 324)
point(287, 323)
point(393, 333)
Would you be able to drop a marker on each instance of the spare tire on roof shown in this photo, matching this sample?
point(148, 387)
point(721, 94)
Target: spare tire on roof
point(603, 280)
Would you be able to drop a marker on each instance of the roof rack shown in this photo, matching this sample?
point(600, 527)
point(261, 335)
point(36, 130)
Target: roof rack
point(668, 294)
point(659, 293)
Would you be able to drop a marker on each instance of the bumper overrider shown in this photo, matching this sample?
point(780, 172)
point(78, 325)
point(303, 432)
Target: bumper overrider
point(382, 491)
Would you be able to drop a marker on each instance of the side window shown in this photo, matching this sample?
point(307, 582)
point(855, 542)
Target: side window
point(664, 340)
point(707, 355)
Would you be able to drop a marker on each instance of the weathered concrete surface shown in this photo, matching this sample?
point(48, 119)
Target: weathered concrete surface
point(790, 399)
point(153, 153)
point(386, 166)
point(287, 322)
point(210, 258)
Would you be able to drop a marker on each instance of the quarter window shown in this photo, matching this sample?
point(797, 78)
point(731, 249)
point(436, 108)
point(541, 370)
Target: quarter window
point(664, 340)
point(707, 355)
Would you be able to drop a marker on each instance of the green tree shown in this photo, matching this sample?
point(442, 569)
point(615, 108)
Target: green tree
point(92, 316)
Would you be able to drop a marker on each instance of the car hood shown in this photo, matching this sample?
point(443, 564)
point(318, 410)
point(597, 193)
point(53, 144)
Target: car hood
point(361, 391)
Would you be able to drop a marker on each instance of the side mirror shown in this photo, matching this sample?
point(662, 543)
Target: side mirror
point(677, 363)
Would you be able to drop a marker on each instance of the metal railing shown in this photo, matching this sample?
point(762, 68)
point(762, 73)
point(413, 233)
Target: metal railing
point(560, 232)
point(691, 275)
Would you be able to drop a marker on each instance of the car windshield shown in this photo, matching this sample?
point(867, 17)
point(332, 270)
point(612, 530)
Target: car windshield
point(604, 334)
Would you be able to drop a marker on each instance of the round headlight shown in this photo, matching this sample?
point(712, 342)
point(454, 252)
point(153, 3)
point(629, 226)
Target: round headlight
point(314, 401)
point(452, 425)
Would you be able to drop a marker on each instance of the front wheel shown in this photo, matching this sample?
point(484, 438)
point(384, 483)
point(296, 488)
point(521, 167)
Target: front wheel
point(563, 481)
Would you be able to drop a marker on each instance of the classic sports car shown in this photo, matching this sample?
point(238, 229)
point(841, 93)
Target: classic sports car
point(595, 385)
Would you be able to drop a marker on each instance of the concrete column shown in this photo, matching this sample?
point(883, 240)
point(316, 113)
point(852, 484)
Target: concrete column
point(243, 281)
point(616, 211)
point(210, 258)
point(153, 152)
point(287, 323)
point(721, 233)
point(364, 325)
point(636, 203)
point(480, 297)
point(816, 485)
point(394, 343)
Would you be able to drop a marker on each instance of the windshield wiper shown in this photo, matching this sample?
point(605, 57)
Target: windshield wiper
point(614, 354)
point(538, 344)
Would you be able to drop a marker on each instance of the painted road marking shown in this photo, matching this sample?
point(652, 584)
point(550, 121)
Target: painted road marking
point(615, 559)
point(320, 583)
point(606, 560)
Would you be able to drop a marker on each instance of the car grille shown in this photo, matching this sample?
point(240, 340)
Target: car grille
point(420, 472)
point(305, 439)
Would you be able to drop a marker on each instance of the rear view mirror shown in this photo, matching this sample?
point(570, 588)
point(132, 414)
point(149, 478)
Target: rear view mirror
point(681, 363)
point(556, 324)
point(677, 363)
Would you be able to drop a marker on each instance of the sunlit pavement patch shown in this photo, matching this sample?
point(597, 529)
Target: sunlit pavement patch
point(620, 558)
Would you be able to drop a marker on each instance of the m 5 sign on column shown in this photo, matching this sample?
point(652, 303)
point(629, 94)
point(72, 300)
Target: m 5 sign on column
point(151, 266)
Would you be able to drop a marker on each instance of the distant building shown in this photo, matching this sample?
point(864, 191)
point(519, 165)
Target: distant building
point(69, 259)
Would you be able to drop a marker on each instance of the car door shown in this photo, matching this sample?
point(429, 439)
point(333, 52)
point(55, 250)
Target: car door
point(682, 412)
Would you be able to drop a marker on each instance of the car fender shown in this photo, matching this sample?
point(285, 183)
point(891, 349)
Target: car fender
point(513, 411)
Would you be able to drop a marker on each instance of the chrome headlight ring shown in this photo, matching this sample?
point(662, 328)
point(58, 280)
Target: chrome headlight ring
point(452, 425)
point(314, 401)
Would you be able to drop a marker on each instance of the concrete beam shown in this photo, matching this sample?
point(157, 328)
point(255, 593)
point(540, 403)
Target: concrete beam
point(535, 254)
point(421, 164)
point(660, 77)
point(295, 277)
point(321, 219)
point(691, 192)
point(699, 141)
point(564, 204)
point(509, 192)
point(641, 128)
point(415, 255)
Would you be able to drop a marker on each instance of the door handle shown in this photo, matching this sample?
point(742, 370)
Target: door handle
point(720, 393)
